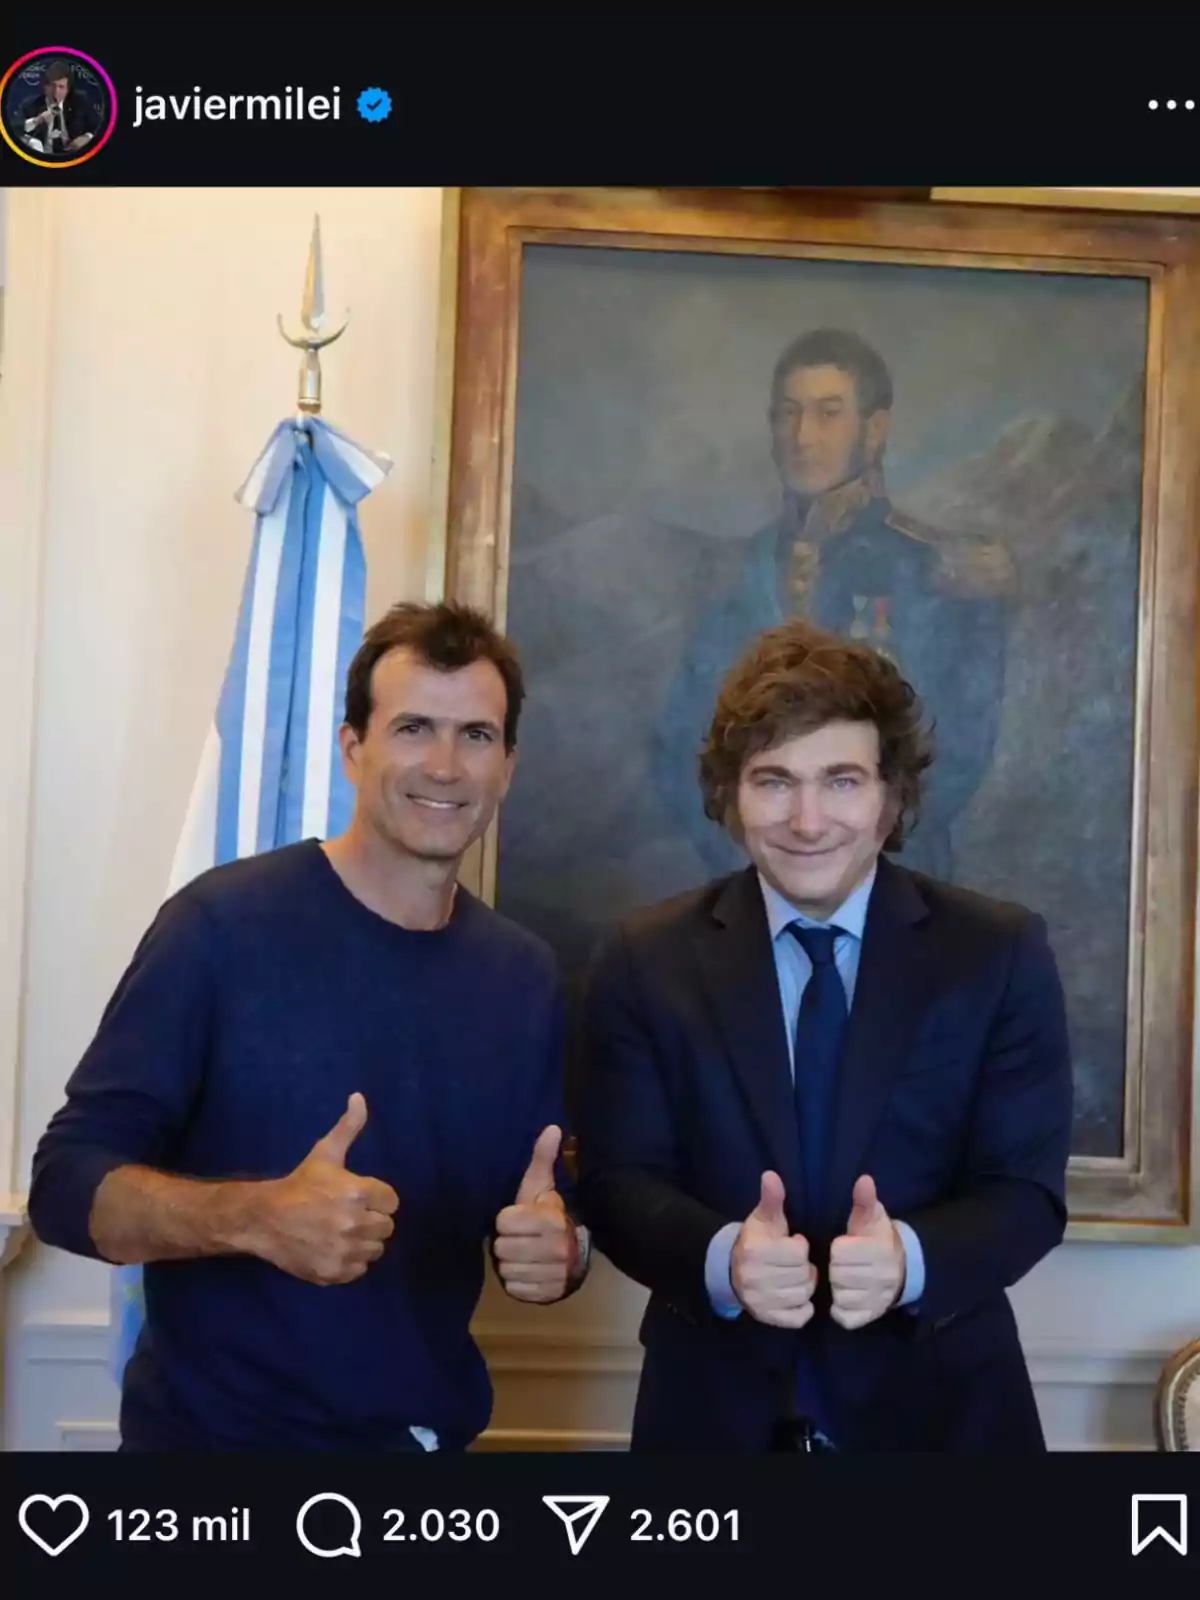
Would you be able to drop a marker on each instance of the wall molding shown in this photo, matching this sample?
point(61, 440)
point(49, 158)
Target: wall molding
point(77, 1337)
point(540, 1375)
point(14, 1228)
point(1071, 1361)
point(75, 1436)
point(83, 1337)
point(556, 1440)
point(584, 1353)
point(1051, 1361)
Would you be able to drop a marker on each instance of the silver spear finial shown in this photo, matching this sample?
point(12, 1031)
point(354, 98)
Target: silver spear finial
point(312, 316)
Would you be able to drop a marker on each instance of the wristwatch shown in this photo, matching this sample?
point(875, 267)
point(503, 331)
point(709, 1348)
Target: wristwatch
point(583, 1240)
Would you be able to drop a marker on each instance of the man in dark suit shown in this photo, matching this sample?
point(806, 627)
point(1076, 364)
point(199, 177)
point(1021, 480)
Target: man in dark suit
point(826, 1110)
point(59, 119)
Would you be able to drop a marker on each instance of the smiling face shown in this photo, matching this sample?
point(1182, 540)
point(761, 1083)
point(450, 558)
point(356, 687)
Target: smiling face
point(431, 767)
point(813, 814)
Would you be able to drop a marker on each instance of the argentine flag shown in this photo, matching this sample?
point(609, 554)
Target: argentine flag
point(270, 772)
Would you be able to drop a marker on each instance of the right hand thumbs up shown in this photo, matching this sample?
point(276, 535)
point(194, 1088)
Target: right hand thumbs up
point(769, 1268)
point(768, 1213)
point(335, 1146)
point(323, 1223)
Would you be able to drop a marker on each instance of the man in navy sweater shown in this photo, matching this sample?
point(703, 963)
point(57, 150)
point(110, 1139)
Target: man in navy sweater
point(329, 1076)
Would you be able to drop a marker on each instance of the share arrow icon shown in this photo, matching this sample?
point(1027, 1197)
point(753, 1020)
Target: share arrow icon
point(579, 1514)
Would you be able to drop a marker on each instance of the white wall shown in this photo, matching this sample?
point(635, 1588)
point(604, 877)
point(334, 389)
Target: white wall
point(165, 375)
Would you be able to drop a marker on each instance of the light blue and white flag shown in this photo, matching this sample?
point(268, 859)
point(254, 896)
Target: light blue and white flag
point(270, 773)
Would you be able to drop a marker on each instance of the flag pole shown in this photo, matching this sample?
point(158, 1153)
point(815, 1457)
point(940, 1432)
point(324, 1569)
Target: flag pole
point(312, 318)
point(269, 772)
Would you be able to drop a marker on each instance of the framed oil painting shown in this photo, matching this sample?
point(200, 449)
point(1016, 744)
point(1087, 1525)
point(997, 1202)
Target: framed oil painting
point(621, 482)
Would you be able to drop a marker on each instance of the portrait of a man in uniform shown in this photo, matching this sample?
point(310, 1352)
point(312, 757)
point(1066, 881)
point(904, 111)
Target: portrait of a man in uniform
point(842, 555)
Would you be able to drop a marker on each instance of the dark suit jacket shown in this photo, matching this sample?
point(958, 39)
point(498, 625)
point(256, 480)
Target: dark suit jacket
point(78, 115)
point(954, 1095)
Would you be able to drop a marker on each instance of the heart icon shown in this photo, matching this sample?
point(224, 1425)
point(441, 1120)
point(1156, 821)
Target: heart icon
point(44, 1499)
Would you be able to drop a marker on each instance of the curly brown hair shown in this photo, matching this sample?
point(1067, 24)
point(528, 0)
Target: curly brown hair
point(794, 679)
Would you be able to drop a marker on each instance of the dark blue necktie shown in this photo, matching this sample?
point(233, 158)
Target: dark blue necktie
point(819, 1029)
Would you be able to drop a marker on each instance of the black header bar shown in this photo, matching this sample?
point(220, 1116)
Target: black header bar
point(794, 99)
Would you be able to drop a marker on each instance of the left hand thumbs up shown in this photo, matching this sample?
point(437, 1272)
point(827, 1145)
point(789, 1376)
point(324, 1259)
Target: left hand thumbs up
point(867, 1263)
point(868, 1219)
point(536, 1248)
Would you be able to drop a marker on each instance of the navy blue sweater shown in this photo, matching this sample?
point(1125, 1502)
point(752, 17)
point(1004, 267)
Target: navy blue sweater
point(262, 996)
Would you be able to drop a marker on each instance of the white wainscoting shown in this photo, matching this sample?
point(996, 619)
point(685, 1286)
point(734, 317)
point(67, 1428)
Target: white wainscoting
point(59, 1395)
point(554, 1390)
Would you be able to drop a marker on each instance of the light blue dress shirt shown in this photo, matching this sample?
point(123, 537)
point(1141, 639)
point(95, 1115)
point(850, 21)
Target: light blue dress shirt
point(793, 969)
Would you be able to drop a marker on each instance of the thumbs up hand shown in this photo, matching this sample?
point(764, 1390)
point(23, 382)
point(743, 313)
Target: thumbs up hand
point(769, 1267)
point(536, 1250)
point(867, 1264)
point(323, 1223)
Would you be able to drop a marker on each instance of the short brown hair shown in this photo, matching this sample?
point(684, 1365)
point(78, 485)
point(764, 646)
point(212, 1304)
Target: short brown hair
point(447, 636)
point(794, 679)
point(849, 352)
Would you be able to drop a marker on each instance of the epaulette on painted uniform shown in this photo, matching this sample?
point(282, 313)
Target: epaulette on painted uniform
point(968, 567)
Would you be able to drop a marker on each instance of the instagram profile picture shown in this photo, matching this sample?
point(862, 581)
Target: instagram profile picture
point(58, 107)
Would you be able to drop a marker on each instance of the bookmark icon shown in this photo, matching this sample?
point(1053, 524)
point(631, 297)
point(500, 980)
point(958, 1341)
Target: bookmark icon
point(1160, 1526)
